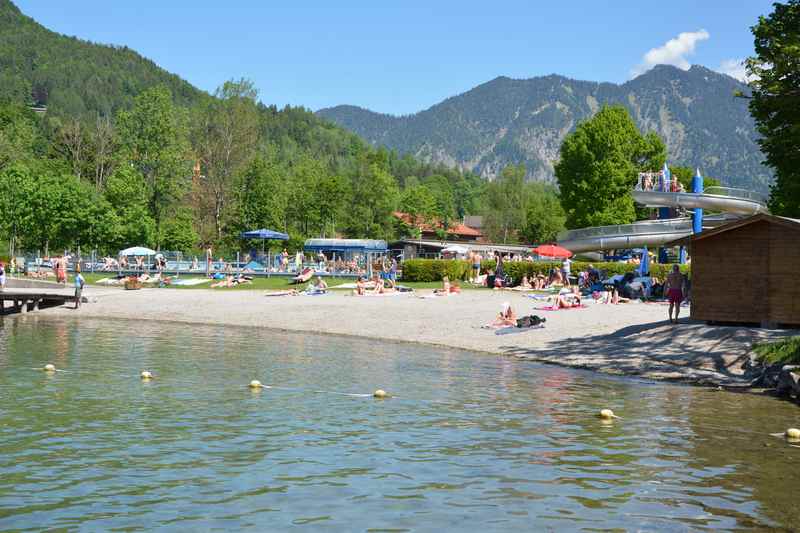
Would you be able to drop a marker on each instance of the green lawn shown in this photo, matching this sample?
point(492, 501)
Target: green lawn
point(281, 282)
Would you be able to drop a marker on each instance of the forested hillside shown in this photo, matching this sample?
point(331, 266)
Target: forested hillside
point(75, 77)
point(507, 121)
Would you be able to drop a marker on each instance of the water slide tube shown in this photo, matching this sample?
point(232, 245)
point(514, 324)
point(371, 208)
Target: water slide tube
point(733, 203)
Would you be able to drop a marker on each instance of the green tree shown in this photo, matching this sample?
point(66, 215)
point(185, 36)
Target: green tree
point(505, 202)
point(16, 187)
point(263, 195)
point(775, 102)
point(153, 140)
point(544, 216)
point(419, 202)
point(303, 209)
point(598, 168)
point(126, 193)
point(19, 134)
point(444, 199)
point(226, 140)
point(377, 195)
point(178, 233)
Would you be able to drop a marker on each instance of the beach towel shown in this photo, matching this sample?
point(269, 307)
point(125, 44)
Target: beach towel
point(507, 330)
point(189, 282)
point(554, 308)
point(539, 297)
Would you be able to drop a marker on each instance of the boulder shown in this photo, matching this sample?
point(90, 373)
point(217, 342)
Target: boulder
point(788, 381)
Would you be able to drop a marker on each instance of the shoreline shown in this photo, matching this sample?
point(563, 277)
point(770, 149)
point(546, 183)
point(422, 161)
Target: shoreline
point(632, 339)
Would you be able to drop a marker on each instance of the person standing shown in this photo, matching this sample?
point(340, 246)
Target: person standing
point(79, 283)
point(674, 287)
point(476, 265)
point(2, 277)
point(566, 268)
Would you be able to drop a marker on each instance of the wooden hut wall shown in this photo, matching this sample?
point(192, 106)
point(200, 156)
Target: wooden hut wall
point(784, 262)
point(729, 275)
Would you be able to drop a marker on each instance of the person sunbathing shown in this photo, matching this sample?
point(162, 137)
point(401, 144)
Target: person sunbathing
point(568, 298)
point(445, 290)
point(227, 282)
point(379, 286)
point(360, 287)
point(525, 284)
point(506, 317)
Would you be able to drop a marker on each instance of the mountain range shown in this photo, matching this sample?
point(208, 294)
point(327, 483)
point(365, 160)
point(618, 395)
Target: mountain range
point(509, 121)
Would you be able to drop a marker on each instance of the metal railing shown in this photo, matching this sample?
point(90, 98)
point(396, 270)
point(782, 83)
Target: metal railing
point(733, 192)
point(638, 228)
point(655, 182)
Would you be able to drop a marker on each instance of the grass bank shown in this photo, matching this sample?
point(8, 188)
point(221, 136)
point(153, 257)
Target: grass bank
point(279, 283)
point(785, 351)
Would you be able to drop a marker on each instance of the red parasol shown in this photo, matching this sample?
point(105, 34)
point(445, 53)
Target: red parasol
point(551, 250)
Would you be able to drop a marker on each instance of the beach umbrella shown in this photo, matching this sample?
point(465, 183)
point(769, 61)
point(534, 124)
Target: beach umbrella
point(455, 249)
point(265, 234)
point(552, 250)
point(137, 250)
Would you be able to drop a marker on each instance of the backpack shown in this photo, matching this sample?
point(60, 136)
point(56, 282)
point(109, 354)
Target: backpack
point(530, 321)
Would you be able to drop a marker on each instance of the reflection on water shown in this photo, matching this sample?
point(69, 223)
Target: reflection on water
point(469, 442)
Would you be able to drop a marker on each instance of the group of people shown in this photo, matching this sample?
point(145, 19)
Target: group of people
point(378, 285)
point(655, 181)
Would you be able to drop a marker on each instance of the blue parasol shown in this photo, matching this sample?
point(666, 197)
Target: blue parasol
point(266, 234)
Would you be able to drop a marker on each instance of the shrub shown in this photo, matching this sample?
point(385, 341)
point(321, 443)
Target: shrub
point(435, 269)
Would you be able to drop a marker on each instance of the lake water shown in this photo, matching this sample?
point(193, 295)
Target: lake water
point(470, 442)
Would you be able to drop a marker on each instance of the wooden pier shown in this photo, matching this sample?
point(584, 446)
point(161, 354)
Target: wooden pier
point(25, 300)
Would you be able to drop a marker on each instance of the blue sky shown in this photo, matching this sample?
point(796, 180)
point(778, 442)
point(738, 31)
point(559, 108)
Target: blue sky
point(403, 57)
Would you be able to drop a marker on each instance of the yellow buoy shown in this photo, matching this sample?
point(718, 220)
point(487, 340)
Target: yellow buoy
point(146, 375)
point(49, 368)
point(380, 393)
point(792, 434)
point(255, 384)
point(607, 414)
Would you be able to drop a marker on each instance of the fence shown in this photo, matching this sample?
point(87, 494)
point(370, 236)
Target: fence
point(37, 264)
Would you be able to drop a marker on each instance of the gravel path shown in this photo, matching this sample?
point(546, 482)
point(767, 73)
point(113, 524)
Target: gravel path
point(632, 339)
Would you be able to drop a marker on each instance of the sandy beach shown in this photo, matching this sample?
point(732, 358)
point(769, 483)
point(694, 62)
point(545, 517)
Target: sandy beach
point(631, 339)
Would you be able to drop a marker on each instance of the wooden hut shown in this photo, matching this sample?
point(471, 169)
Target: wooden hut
point(747, 271)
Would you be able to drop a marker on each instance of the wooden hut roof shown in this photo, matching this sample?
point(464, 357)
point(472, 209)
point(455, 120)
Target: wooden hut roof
point(689, 239)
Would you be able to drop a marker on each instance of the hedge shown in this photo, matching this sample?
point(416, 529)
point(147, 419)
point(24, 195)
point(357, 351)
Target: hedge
point(436, 269)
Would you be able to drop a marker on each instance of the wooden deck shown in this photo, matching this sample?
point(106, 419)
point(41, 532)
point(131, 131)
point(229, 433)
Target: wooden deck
point(25, 300)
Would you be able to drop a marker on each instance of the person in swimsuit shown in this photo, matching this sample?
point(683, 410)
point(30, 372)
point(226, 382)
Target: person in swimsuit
point(674, 286)
point(568, 298)
point(506, 317)
point(476, 265)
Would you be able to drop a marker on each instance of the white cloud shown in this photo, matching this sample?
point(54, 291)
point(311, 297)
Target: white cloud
point(673, 52)
point(734, 68)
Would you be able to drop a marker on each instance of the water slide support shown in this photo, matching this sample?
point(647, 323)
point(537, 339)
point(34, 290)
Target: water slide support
point(697, 216)
point(664, 212)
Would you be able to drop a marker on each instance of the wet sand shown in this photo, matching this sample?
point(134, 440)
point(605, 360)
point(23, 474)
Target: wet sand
point(630, 339)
